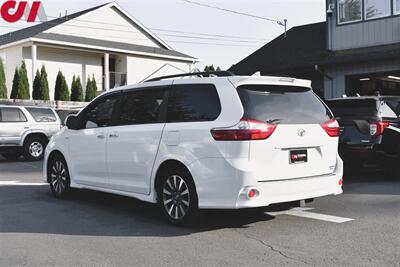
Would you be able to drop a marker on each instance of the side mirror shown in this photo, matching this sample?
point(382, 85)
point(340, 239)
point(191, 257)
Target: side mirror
point(71, 122)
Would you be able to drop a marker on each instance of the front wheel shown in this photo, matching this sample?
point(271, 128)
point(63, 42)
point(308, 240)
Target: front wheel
point(177, 197)
point(58, 176)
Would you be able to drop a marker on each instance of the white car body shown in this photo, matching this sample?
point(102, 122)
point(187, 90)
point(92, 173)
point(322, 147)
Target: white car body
point(125, 160)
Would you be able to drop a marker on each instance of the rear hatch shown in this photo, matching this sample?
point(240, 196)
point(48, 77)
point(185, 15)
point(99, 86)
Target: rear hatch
point(359, 119)
point(299, 146)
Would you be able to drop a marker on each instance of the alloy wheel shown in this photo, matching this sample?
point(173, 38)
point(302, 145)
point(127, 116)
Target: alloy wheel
point(36, 149)
point(176, 197)
point(58, 176)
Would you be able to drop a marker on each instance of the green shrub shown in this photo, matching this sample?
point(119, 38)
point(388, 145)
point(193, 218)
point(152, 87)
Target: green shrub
point(61, 91)
point(15, 85)
point(76, 90)
point(3, 87)
point(36, 94)
point(23, 90)
point(44, 84)
point(91, 89)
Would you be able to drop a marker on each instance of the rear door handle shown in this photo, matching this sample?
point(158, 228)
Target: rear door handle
point(114, 135)
point(101, 136)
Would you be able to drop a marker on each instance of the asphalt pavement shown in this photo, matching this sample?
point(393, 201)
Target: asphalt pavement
point(359, 228)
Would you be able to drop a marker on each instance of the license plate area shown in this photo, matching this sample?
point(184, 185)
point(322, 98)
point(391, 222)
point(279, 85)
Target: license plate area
point(298, 156)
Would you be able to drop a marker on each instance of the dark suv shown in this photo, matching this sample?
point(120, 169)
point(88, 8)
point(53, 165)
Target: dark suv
point(370, 130)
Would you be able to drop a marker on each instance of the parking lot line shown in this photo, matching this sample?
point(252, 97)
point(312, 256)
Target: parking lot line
point(304, 212)
point(19, 183)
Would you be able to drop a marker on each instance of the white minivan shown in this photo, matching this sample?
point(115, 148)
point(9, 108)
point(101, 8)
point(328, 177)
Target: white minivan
point(229, 142)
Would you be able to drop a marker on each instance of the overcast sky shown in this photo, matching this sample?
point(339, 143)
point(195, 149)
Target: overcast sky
point(179, 15)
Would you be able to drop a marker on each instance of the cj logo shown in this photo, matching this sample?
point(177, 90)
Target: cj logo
point(13, 11)
point(301, 132)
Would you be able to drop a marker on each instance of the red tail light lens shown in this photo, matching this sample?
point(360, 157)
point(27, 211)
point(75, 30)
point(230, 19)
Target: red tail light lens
point(377, 128)
point(331, 128)
point(245, 130)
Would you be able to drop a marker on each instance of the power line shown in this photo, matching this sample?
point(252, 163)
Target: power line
point(231, 11)
point(208, 34)
point(279, 22)
point(232, 43)
point(163, 34)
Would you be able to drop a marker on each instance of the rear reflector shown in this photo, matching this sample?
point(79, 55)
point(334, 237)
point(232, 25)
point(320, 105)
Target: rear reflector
point(331, 128)
point(245, 130)
point(377, 128)
point(341, 182)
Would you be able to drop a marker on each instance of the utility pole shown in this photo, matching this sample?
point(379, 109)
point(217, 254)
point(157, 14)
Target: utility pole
point(284, 24)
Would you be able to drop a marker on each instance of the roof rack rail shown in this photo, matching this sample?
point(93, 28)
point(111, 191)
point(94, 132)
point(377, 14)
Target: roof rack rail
point(197, 74)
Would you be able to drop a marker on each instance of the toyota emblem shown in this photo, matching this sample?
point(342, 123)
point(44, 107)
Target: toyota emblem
point(301, 132)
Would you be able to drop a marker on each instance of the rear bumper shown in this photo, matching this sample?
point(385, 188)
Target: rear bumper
point(220, 185)
point(290, 190)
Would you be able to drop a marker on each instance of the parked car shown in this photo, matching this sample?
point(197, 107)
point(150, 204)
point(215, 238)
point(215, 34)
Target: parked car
point(370, 130)
point(26, 131)
point(201, 143)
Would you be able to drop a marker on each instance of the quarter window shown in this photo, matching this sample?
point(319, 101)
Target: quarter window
point(193, 103)
point(377, 9)
point(101, 114)
point(12, 115)
point(42, 114)
point(141, 107)
point(349, 10)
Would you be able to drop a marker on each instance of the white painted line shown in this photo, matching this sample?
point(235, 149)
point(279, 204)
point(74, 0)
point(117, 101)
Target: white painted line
point(19, 183)
point(304, 212)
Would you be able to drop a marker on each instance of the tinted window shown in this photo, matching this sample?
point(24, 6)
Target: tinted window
point(193, 102)
point(282, 104)
point(353, 107)
point(100, 114)
point(12, 115)
point(141, 107)
point(42, 114)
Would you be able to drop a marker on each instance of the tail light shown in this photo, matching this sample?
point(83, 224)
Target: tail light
point(245, 130)
point(377, 128)
point(331, 128)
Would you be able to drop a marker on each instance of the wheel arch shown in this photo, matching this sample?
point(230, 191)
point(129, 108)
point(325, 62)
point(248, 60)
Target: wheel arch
point(29, 134)
point(165, 165)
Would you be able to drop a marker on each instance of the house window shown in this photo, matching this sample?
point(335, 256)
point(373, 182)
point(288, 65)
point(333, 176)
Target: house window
point(350, 10)
point(396, 7)
point(377, 8)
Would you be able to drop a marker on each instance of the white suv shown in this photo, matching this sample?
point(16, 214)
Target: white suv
point(26, 131)
point(201, 143)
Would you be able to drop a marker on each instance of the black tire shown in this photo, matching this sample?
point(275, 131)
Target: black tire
point(178, 200)
point(58, 176)
point(11, 155)
point(34, 148)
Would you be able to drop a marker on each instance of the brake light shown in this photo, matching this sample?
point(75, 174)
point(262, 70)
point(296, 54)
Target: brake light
point(331, 128)
point(377, 128)
point(245, 130)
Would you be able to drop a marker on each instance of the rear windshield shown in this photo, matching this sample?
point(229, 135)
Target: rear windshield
point(283, 104)
point(352, 107)
point(42, 114)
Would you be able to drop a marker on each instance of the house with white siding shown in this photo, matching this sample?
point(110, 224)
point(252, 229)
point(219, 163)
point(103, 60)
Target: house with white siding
point(105, 42)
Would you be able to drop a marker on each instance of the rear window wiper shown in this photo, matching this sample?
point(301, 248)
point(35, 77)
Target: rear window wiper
point(273, 121)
